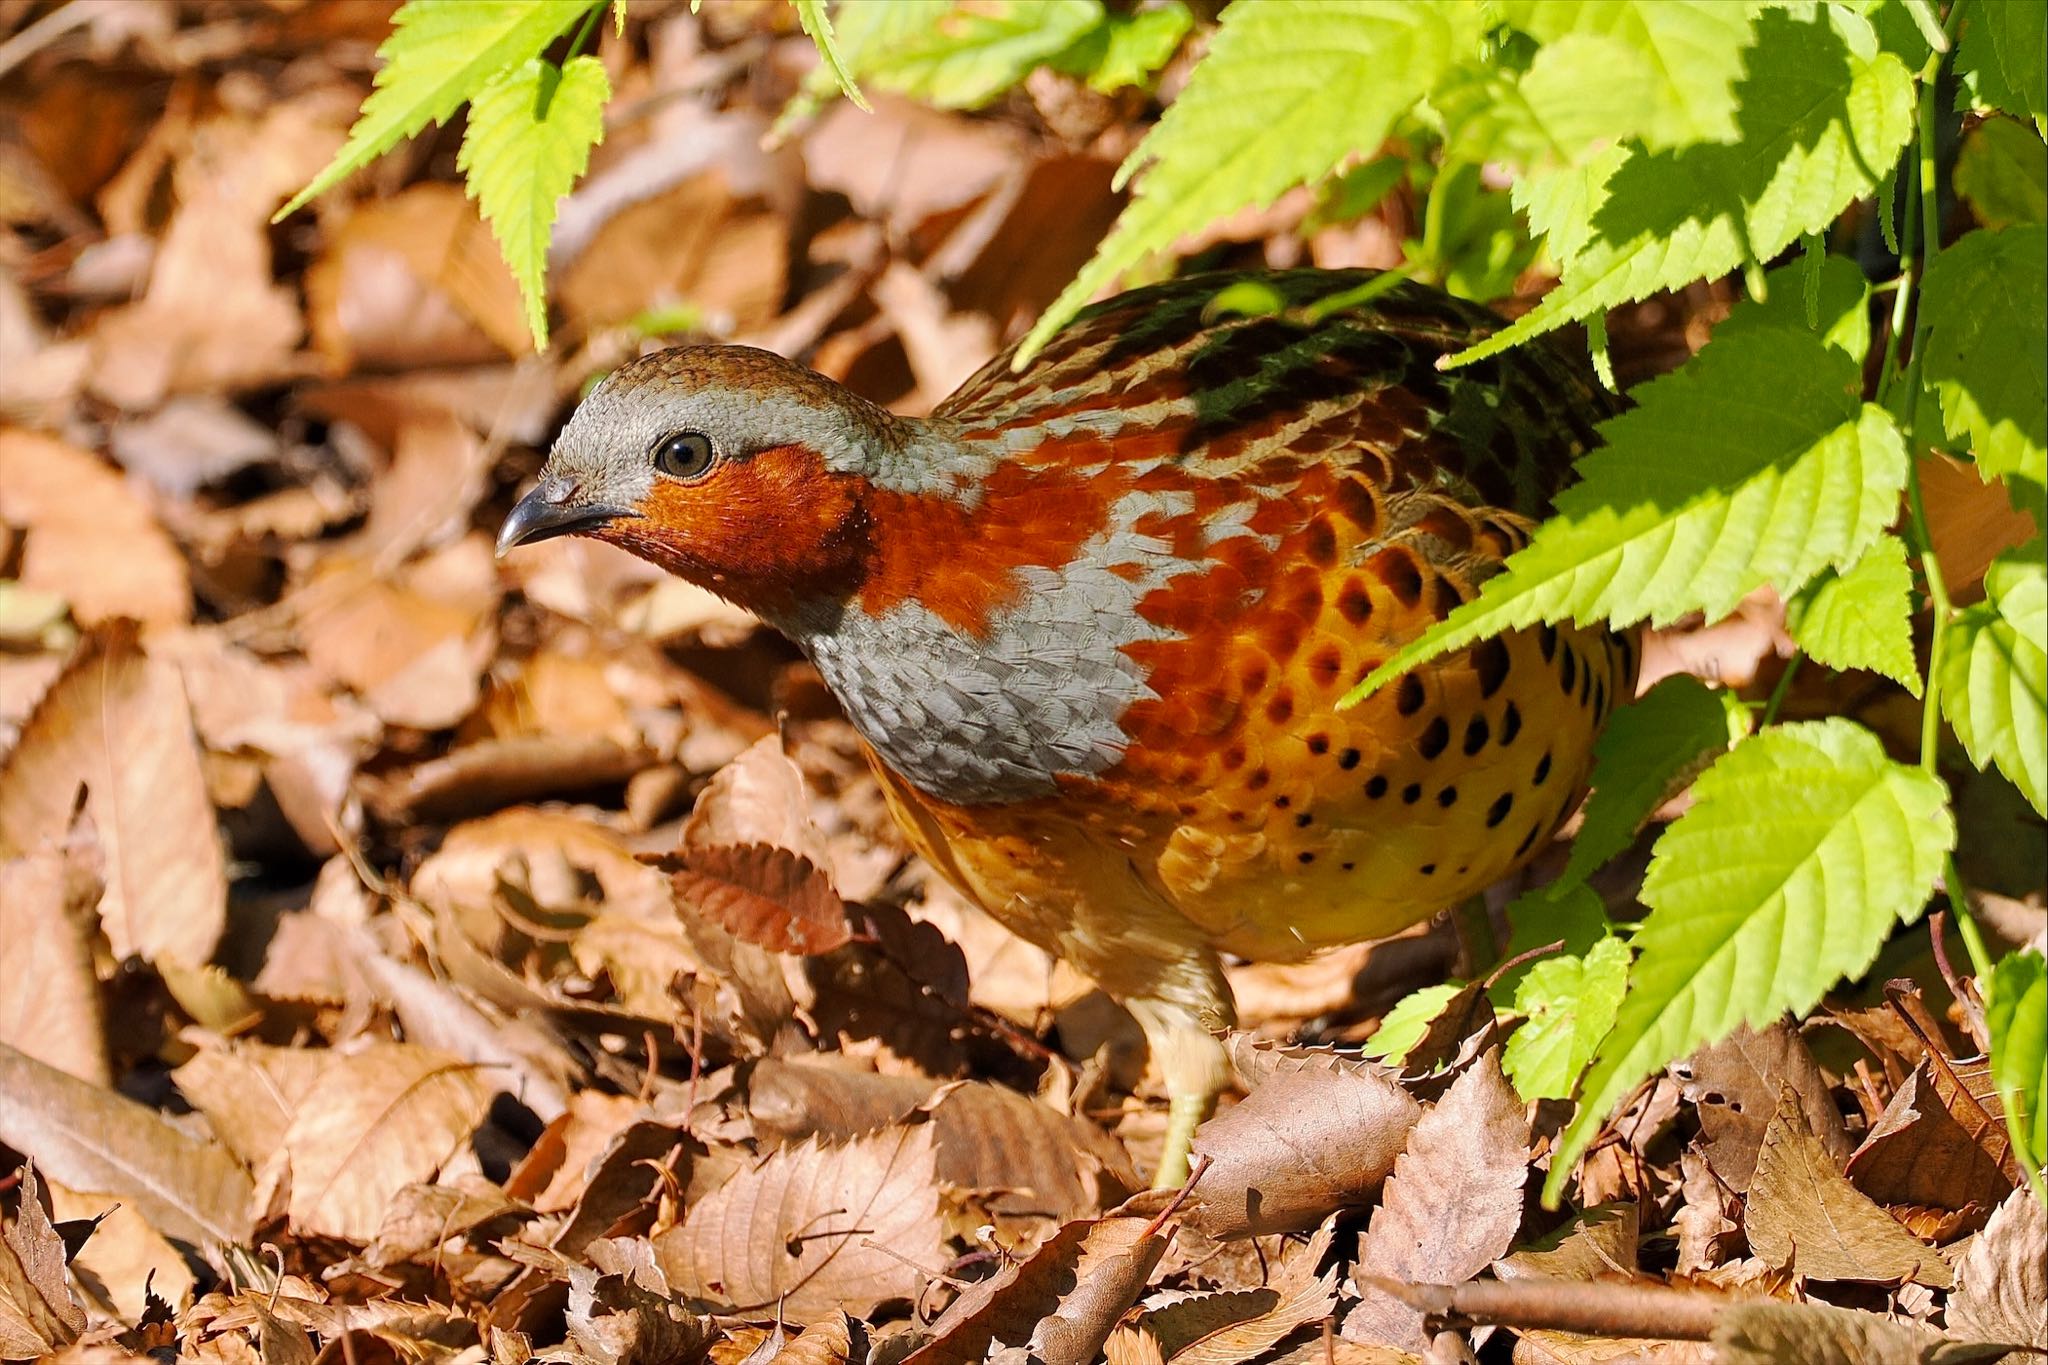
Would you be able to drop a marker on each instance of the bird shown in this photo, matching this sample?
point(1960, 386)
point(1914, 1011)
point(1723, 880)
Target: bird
point(1093, 617)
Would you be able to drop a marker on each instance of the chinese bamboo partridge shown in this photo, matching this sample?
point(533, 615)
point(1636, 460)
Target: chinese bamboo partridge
point(1093, 619)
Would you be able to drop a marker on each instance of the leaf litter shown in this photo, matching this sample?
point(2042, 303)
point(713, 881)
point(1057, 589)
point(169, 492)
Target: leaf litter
point(407, 954)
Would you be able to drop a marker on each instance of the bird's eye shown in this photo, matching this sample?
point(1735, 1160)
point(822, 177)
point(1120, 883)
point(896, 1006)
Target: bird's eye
point(684, 454)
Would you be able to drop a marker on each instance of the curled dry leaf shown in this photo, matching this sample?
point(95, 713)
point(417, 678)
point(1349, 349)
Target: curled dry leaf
point(764, 895)
point(1227, 1328)
point(758, 798)
point(49, 993)
point(1451, 1207)
point(376, 1121)
point(1735, 1085)
point(1804, 1213)
point(2003, 1294)
point(93, 1139)
point(1006, 1311)
point(1317, 1134)
point(1922, 1151)
point(37, 1313)
point(91, 539)
point(815, 1228)
point(116, 723)
point(249, 1092)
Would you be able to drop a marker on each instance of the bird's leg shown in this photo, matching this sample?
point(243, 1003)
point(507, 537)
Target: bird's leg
point(1192, 1059)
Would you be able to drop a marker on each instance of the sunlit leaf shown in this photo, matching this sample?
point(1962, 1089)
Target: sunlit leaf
point(440, 53)
point(818, 24)
point(1861, 617)
point(1690, 54)
point(1804, 847)
point(2016, 1012)
point(1568, 1004)
point(1754, 464)
point(2002, 172)
point(1986, 309)
point(529, 138)
point(1994, 673)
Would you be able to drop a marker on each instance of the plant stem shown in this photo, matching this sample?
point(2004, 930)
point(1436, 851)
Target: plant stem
point(1781, 691)
point(583, 34)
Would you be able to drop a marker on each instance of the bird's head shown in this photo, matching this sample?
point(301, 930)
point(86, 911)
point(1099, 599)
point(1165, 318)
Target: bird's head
point(730, 466)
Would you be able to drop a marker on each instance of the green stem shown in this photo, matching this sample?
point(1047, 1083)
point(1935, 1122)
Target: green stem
point(1781, 691)
point(597, 8)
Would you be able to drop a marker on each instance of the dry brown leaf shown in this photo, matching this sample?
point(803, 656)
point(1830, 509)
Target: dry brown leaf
point(815, 1228)
point(92, 1139)
point(1803, 1213)
point(117, 724)
point(249, 1093)
point(125, 1260)
point(2003, 1290)
point(412, 647)
point(91, 539)
point(1597, 1244)
point(212, 318)
point(1007, 1309)
point(519, 1054)
point(989, 1138)
point(550, 855)
point(1920, 1151)
point(37, 1312)
point(189, 443)
point(758, 798)
point(1970, 521)
point(50, 1001)
point(421, 1218)
point(1451, 1206)
point(1820, 1334)
point(838, 1340)
point(624, 1313)
point(1277, 1316)
point(763, 895)
point(376, 1121)
point(413, 281)
point(478, 778)
point(1310, 1138)
point(1735, 1085)
point(437, 475)
point(553, 1174)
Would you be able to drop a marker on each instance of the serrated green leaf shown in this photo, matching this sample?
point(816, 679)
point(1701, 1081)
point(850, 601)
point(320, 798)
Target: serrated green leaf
point(1650, 748)
point(2016, 1012)
point(440, 53)
point(529, 137)
point(1580, 92)
point(1570, 914)
point(817, 23)
point(1861, 617)
point(1754, 464)
point(2002, 173)
point(959, 56)
point(1127, 49)
point(1842, 302)
point(1994, 673)
point(1985, 305)
point(1568, 1004)
point(1822, 114)
point(1690, 52)
point(1403, 1026)
point(1804, 847)
point(1289, 89)
point(2002, 57)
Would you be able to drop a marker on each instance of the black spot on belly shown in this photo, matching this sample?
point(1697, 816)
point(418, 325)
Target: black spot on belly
point(1376, 788)
point(1434, 739)
point(1411, 793)
point(1490, 661)
point(1510, 725)
point(1568, 670)
point(1304, 820)
point(1408, 697)
point(1547, 638)
point(1349, 759)
point(1476, 735)
point(1498, 811)
point(1542, 770)
point(1447, 798)
point(1319, 745)
point(1428, 869)
point(1304, 857)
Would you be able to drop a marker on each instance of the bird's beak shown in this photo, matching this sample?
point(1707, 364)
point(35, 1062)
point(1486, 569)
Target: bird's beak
point(553, 509)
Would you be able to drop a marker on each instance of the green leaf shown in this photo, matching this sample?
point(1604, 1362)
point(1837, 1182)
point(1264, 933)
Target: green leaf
point(1994, 673)
point(2016, 1011)
point(1127, 49)
point(440, 53)
point(1650, 749)
point(1569, 1003)
point(1842, 302)
point(1579, 93)
point(1570, 913)
point(1689, 51)
point(1861, 617)
point(1403, 1026)
point(1822, 114)
point(2002, 56)
point(1289, 89)
point(2002, 172)
point(959, 56)
point(1985, 305)
point(818, 24)
point(1754, 464)
point(1804, 847)
point(529, 137)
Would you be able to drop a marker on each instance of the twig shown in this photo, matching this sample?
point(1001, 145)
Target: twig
point(43, 32)
point(1187, 1187)
point(1593, 1308)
